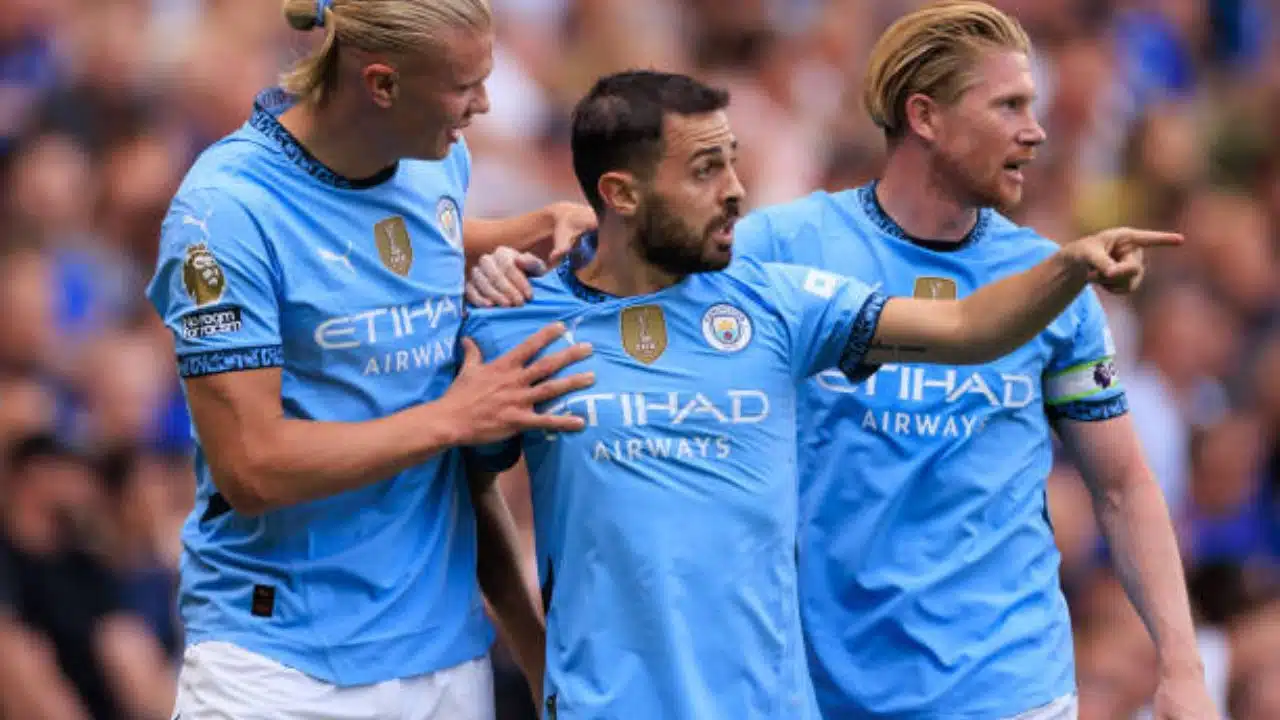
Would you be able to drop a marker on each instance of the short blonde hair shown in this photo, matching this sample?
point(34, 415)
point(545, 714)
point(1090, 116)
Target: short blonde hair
point(932, 51)
point(391, 26)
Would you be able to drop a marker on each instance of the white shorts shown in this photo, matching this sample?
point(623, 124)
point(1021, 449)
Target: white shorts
point(1066, 707)
point(220, 681)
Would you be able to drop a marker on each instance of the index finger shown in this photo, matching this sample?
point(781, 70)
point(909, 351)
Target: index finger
point(1150, 238)
point(534, 344)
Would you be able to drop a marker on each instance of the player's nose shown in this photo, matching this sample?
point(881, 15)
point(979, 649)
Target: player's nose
point(1032, 135)
point(734, 191)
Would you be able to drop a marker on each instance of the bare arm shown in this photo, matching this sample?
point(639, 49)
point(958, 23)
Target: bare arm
point(1002, 316)
point(262, 460)
point(32, 685)
point(547, 233)
point(505, 583)
point(1134, 519)
point(135, 666)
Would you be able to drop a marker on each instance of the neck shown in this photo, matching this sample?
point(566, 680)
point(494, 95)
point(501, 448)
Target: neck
point(339, 138)
point(920, 201)
point(618, 269)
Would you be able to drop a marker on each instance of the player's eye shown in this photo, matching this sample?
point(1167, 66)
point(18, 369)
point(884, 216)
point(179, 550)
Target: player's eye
point(706, 170)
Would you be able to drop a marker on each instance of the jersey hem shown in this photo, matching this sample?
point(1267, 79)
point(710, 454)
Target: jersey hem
point(367, 661)
point(1003, 711)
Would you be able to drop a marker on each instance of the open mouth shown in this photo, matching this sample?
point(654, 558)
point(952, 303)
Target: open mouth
point(722, 232)
point(1013, 169)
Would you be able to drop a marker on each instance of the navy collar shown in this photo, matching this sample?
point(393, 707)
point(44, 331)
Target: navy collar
point(579, 256)
point(267, 108)
point(871, 206)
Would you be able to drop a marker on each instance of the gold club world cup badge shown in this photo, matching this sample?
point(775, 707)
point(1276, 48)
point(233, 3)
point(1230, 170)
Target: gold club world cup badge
point(394, 246)
point(935, 288)
point(644, 332)
point(202, 277)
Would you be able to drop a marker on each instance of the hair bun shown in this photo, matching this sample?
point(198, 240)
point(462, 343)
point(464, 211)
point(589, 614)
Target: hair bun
point(301, 14)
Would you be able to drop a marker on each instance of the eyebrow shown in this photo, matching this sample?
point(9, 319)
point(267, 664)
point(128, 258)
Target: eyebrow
point(712, 150)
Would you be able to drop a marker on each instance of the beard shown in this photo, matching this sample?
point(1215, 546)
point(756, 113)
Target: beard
point(668, 242)
point(978, 191)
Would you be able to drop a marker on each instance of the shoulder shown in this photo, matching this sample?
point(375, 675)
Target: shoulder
point(499, 327)
point(796, 218)
point(453, 170)
point(1019, 241)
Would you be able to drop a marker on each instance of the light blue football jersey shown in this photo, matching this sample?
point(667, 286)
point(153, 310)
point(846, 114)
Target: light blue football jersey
point(666, 530)
point(929, 574)
point(354, 290)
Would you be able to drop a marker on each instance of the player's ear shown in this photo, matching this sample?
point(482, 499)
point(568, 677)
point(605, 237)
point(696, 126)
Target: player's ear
point(921, 113)
point(620, 192)
point(382, 82)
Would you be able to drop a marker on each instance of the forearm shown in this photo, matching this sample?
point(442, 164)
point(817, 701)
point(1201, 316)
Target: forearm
point(1003, 316)
point(502, 576)
point(1134, 520)
point(523, 232)
point(992, 322)
point(292, 461)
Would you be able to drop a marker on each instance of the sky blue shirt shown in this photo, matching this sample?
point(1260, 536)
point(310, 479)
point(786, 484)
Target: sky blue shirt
point(929, 574)
point(666, 530)
point(354, 290)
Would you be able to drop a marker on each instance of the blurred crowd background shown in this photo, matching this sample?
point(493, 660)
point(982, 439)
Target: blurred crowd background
point(1160, 113)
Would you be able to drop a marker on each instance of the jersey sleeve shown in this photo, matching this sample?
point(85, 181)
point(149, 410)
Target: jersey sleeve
point(1081, 382)
point(494, 457)
point(215, 287)
point(830, 319)
point(754, 237)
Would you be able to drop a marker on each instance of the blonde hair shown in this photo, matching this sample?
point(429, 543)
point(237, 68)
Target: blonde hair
point(932, 51)
point(391, 26)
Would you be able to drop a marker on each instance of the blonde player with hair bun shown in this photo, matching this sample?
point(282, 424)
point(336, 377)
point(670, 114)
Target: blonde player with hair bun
point(311, 271)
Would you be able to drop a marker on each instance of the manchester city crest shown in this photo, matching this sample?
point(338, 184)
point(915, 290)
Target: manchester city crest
point(449, 221)
point(726, 328)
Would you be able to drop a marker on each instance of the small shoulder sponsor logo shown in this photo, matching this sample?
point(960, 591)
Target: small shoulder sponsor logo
point(726, 328)
point(821, 283)
point(450, 221)
point(395, 249)
point(202, 277)
point(207, 323)
point(644, 332)
point(935, 288)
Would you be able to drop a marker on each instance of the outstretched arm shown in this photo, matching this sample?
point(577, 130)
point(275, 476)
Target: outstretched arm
point(263, 460)
point(1002, 316)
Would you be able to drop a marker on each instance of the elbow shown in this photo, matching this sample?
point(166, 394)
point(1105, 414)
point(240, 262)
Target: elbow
point(245, 483)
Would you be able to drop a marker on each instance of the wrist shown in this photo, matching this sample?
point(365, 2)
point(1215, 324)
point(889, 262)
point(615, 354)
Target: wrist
point(1074, 261)
point(1182, 665)
point(438, 427)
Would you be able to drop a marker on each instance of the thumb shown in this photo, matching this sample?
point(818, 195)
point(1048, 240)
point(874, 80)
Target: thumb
point(532, 265)
point(471, 355)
